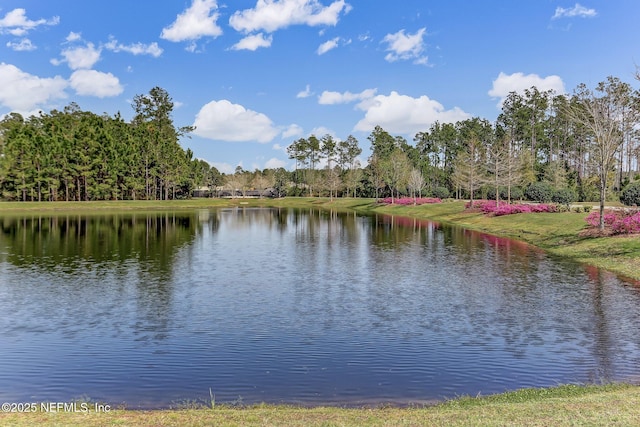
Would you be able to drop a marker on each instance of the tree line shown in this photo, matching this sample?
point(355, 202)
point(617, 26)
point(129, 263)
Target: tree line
point(543, 145)
point(78, 155)
point(582, 145)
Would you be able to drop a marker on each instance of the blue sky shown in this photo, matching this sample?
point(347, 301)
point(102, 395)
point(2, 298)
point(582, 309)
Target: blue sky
point(255, 75)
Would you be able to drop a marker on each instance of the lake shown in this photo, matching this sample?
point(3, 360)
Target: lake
point(311, 307)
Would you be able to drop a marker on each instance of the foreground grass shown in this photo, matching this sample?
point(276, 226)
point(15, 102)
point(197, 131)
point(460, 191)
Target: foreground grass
point(610, 405)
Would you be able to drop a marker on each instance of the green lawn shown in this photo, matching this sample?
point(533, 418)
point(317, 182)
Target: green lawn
point(557, 233)
point(611, 405)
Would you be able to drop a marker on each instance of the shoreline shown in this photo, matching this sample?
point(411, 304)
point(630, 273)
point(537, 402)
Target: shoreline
point(558, 234)
point(569, 405)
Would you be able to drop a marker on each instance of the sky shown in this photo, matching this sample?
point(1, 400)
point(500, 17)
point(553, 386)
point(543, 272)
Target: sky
point(253, 76)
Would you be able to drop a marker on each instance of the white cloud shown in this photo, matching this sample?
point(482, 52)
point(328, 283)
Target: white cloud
point(519, 82)
point(305, 93)
point(405, 115)
point(222, 120)
point(16, 23)
point(291, 130)
point(272, 15)
point(83, 57)
point(225, 168)
point(321, 131)
point(95, 83)
point(274, 163)
point(328, 45)
point(576, 11)
point(403, 46)
point(136, 48)
point(73, 37)
point(23, 91)
point(192, 47)
point(330, 98)
point(24, 45)
point(199, 20)
point(253, 42)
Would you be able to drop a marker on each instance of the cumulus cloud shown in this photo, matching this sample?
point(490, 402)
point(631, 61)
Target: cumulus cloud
point(321, 131)
point(305, 93)
point(22, 91)
point(272, 15)
point(17, 24)
point(23, 45)
point(328, 45)
point(222, 120)
point(578, 11)
point(95, 83)
point(519, 82)
point(73, 37)
point(291, 131)
point(225, 168)
point(403, 114)
point(199, 20)
point(274, 163)
point(136, 48)
point(404, 47)
point(330, 98)
point(81, 57)
point(253, 42)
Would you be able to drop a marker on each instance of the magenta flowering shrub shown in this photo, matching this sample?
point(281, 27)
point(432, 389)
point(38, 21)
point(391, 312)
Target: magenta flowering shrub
point(593, 219)
point(619, 222)
point(490, 207)
point(480, 204)
point(405, 201)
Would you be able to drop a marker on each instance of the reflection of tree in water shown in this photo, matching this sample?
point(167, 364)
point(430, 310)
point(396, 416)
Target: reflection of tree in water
point(608, 331)
point(394, 232)
point(95, 259)
point(60, 240)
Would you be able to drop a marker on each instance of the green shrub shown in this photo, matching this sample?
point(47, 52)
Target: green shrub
point(516, 193)
point(491, 193)
point(441, 192)
point(539, 192)
point(630, 196)
point(564, 196)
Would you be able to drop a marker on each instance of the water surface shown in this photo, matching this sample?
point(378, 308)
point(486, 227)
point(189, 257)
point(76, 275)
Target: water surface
point(295, 306)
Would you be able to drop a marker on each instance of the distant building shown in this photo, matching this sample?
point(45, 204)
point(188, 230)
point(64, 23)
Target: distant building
point(227, 193)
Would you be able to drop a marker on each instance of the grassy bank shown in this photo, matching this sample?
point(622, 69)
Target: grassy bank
point(609, 405)
point(557, 233)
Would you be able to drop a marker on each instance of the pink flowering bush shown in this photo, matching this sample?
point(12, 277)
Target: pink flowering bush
point(523, 208)
point(619, 222)
point(593, 219)
point(489, 207)
point(405, 201)
point(480, 204)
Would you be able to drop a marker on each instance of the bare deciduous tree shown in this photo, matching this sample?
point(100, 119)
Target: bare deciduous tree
point(415, 183)
point(600, 111)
